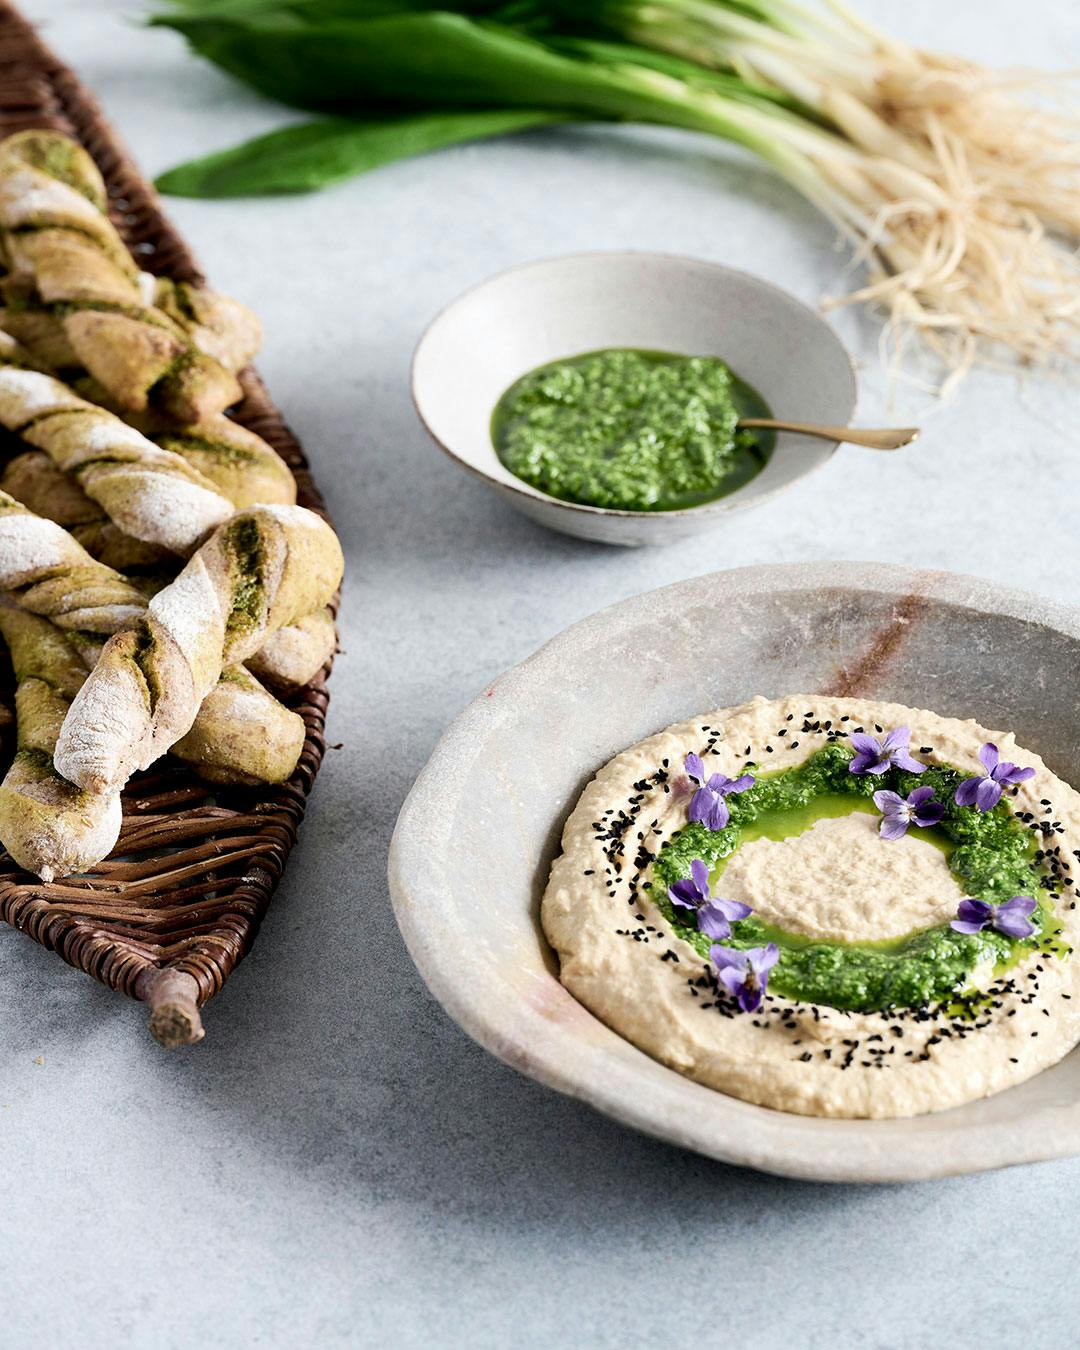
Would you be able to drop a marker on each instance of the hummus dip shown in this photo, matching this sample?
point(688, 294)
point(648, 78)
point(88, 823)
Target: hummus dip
point(875, 1004)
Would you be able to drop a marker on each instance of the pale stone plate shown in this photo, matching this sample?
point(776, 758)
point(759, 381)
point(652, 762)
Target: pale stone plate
point(475, 839)
point(558, 307)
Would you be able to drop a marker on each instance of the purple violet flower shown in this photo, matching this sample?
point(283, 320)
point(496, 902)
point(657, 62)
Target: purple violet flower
point(984, 792)
point(707, 804)
point(874, 756)
point(693, 891)
point(745, 975)
point(714, 916)
point(1011, 918)
point(897, 813)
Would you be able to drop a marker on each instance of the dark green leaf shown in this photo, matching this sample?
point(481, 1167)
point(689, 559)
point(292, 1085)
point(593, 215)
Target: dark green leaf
point(411, 60)
point(319, 11)
point(384, 67)
point(316, 154)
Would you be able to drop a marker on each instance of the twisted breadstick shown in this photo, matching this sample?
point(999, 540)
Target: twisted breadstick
point(56, 237)
point(240, 464)
point(35, 481)
point(57, 606)
point(75, 296)
point(217, 324)
point(49, 574)
point(147, 492)
point(242, 733)
point(266, 568)
point(49, 826)
point(290, 657)
point(52, 828)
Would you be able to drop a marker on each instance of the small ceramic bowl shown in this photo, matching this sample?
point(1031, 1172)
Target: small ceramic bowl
point(544, 311)
point(476, 837)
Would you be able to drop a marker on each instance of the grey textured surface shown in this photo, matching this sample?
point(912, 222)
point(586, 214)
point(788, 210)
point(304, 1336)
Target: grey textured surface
point(337, 1162)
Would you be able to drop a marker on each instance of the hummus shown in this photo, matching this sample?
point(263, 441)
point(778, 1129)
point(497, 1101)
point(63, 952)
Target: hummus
point(815, 884)
point(836, 897)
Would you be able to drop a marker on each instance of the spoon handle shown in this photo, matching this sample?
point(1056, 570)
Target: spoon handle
point(880, 438)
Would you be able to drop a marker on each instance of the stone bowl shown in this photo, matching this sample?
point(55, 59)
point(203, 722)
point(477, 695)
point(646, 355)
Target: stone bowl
point(510, 324)
point(477, 834)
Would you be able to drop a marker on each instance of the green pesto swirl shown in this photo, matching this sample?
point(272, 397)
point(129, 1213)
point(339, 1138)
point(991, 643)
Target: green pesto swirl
point(991, 856)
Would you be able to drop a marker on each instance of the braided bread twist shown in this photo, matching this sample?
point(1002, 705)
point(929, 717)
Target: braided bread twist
point(57, 607)
point(290, 658)
point(52, 828)
point(148, 492)
point(76, 298)
point(35, 481)
point(263, 570)
point(217, 324)
point(242, 734)
point(293, 655)
point(48, 825)
point(50, 574)
point(240, 464)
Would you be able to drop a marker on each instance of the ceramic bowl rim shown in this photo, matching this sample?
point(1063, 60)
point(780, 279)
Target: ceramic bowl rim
point(733, 501)
point(934, 1150)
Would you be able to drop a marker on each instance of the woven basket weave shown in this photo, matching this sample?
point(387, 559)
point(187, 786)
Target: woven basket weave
point(168, 917)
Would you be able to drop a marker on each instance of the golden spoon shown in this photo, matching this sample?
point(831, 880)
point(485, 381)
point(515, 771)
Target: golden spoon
point(881, 438)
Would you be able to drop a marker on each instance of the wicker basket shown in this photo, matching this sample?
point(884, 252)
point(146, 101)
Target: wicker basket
point(168, 917)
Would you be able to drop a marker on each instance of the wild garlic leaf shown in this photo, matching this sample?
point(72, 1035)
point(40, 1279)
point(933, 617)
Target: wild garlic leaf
point(313, 155)
point(417, 60)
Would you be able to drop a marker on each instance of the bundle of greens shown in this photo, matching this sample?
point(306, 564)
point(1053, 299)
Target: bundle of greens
point(960, 195)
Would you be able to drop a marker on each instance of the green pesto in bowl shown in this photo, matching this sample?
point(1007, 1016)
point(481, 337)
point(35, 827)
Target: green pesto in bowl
point(632, 430)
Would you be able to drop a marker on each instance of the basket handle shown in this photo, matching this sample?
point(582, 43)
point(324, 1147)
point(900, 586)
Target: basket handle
point(172, 997)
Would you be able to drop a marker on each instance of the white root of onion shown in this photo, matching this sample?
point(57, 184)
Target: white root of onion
point(960, 196)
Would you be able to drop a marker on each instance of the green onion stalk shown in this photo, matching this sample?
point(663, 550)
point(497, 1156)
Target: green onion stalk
point(959, 196)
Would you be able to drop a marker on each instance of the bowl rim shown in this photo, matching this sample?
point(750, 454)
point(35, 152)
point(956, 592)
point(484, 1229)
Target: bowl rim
point(734, 500)
point(915, 1149)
